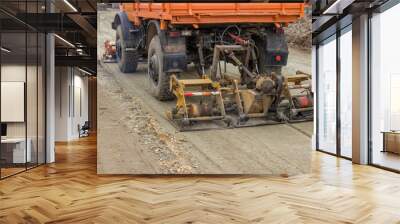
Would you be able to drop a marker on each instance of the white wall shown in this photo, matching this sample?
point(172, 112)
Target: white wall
point(13, 101)
point(12, 73)
point(71, 87)
point(80, 110)
point(33, 126)
point(62, 82)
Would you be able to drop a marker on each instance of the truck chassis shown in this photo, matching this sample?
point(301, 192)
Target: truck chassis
point(260, 94)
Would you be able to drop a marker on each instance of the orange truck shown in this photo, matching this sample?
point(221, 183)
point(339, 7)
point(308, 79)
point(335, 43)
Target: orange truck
point(173, 36)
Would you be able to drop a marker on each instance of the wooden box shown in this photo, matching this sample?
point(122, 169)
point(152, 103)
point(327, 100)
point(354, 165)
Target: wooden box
point(391, 142)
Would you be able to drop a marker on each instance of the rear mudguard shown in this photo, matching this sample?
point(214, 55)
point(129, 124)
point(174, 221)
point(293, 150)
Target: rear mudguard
point(131, 34)
point(174, 48)
point(275, 46)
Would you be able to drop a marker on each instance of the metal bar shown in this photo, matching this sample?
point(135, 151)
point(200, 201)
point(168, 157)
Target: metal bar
point(220, 102)
point(37, 91)
point(385, 168)
point(256, 115)
point(45, 90)
point(332, 154)
point(237, 97)
point(369, 95)
point(201, 56)
point(205, 118)
point(0, 94)
point(215, 64)
point(303, 109)
point(338, 96)
point(231, 47)
point(316, 96)
point(240, 65)
point(212, 93)
point(15, 18)
point(45, 96)
point(26, 89)
point(386, 6)
point(302, 86)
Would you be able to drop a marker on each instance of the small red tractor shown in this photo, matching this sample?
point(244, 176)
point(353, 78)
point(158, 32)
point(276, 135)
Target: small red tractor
point(109, 55)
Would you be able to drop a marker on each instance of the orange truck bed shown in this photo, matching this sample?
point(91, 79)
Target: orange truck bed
point(214, 13)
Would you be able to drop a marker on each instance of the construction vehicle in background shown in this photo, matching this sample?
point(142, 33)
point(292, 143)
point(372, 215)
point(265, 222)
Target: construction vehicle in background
point(238, 50)
point(109, 55)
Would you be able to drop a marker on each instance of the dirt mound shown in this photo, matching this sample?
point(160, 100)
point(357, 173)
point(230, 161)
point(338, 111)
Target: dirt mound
point(298, 34)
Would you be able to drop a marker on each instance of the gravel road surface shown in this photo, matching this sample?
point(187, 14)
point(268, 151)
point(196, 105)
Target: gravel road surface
point(135, 137)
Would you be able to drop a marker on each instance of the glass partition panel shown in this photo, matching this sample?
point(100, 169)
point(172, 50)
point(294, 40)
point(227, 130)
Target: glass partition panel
point(15, 150)
point(385, 89)
point(327, 96)
point(346, 93)
point(22, 78)
point(41, 99)
point(31, 100)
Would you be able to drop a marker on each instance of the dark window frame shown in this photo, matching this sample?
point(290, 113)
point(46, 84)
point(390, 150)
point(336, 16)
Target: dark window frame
point(333, 37)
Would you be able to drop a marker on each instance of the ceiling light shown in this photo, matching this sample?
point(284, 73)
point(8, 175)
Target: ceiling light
point(70, 5)
point(337, 7)
point(5, 50)
point(64, 40)
point(84, 71)
point(332, 7)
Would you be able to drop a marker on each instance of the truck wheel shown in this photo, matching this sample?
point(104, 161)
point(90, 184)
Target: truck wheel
point(158, 79)
point(127, 60)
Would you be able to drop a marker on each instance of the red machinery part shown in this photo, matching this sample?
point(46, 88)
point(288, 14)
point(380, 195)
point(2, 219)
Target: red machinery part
point(237, 39)
point(304, 101)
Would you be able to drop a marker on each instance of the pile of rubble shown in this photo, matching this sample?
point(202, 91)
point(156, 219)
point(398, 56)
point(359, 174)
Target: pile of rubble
point(298, 34)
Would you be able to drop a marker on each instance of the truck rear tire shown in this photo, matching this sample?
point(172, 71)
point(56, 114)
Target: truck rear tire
point(127, 60)
point(158, 79)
